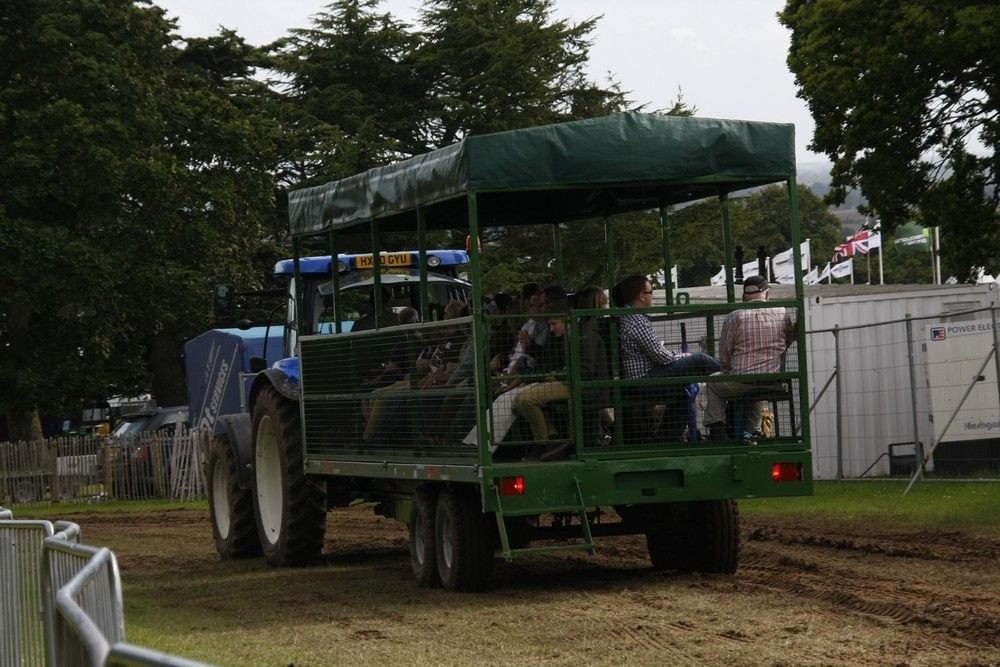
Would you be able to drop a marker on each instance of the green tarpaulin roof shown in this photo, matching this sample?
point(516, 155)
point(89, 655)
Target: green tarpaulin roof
point(568, 171)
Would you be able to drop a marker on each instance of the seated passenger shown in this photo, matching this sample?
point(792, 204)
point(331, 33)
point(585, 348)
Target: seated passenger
point(547, 357)
point(531, 336)
point(643, 355)
point(387, 317)
point(593, 366)
point(438, 356)
point(752, 341)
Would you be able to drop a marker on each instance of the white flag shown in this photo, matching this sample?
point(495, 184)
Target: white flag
point(784, 257)
point(673, 275)
point(812, 277)
point(719, 278)
point(825, 274)
point(806, 255)
point(751, 269)
point(843, 269)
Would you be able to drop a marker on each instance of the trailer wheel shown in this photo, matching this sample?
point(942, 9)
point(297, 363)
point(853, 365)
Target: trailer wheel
point(464, 546)
point(715, 535)
point(423, 553)
point(230, 507)
point(668, 539)
point(290, 508)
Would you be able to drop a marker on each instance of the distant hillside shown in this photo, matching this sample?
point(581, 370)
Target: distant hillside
point(816, 177)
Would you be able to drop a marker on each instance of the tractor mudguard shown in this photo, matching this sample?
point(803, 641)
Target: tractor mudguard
point(240, 431)
point(285, 384)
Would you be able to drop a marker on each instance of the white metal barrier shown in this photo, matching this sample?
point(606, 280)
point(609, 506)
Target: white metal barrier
point(22, 591)
point(61, 601)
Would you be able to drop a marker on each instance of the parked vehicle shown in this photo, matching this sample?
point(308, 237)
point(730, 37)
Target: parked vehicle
point(307, 439)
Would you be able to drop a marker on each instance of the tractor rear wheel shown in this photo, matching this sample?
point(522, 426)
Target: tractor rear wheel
point(230, 507)
point(290, 508)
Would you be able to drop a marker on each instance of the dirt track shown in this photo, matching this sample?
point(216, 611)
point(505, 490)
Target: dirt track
point(804, 594)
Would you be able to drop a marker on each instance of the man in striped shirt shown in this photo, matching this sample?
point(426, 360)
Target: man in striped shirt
point(752, 341)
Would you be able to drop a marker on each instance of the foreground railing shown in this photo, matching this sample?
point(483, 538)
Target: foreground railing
point(61, 601)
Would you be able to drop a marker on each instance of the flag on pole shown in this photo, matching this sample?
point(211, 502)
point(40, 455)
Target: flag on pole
point(719, 278)
point(812, 277)
point(855, 244)
point(843, 269)
point(825, 273)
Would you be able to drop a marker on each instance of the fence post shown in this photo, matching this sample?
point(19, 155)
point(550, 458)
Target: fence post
point(109, 462)
point(839, 395)
point(158, 469)
point(996, 346)
point(918, 447)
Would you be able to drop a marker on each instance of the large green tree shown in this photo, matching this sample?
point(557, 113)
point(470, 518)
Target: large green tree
point(77, 128)
point(905, 99)
point(353, 95)
point(129, 179)
point(499, 65)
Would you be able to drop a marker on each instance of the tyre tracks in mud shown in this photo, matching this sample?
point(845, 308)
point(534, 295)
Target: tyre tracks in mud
point(925, 580)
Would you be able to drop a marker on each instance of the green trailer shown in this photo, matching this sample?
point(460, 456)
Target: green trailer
point(333, 425)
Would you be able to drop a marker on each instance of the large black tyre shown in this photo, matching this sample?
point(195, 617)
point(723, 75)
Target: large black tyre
point(423, 552)
point(290, 508)
point(463, 542)
point(715, 536)
point(230, 508)
point(668, 537)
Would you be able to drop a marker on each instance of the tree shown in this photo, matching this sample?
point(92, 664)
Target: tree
point(905, 102)
point(76, 128)
point(353, 95)
point(131, 175)
point(498, 65)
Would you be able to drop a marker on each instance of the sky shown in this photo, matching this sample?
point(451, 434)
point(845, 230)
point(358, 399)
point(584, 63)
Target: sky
point(727, 57)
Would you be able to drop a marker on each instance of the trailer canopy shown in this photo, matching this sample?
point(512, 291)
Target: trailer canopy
point(624, 162)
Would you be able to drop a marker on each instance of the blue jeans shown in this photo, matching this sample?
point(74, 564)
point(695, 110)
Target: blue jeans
point(698, 363)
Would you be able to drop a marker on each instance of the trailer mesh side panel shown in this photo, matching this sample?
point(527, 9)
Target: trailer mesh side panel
point(400, 392)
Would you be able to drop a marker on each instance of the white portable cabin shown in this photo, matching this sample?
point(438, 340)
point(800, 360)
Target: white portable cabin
point(876, 401)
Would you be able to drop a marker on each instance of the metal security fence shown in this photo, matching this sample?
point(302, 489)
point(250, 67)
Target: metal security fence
point(61, 601)
point(22, 590)
point(88, 469)
point(910, 395)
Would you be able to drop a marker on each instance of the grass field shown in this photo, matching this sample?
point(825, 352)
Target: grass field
point(933, 505)
point(971, 506)
point(856, 574)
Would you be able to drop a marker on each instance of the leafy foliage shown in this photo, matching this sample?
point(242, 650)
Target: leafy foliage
point(130, 165)
point(905, 102)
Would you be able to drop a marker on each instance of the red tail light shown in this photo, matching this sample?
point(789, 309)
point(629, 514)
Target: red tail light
point(512, 486)
point(786, 472)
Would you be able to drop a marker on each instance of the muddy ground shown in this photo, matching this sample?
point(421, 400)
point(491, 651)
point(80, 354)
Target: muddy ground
point(805, 593)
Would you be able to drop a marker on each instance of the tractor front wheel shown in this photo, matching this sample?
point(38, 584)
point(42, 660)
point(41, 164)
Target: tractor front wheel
point(230, 507)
